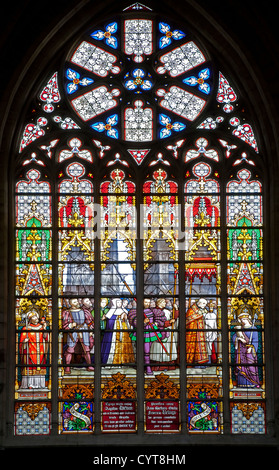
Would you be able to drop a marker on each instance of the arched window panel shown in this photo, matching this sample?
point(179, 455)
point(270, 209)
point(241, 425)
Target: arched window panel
point(161, 302)
point(139, 99)
point(245, 299)
point(33, 302)
point(203, 287)
point(75, 271)
point(118, 302)
point(33, 348)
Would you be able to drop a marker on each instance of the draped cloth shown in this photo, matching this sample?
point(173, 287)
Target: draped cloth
point(246, 345)
point(196, 347)
point(33, 355)
point(116, 345)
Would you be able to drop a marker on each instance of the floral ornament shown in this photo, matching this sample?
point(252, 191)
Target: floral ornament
point(32, 132)
point(137, 82)
point(103, 148)
point(211, 123)
point(50, 94)
point(174, 148)
point(138, 154)
point(200, 81)
point(48, 148)
point(166, 131)
point(244, 132)
point(33, 159)
point(228, 147)
point(110, 40)
point(76, 81)
point(202, 150)
point(244, 158)
point(159, 159)
point(226, 94)
point(66, 123)
point(168, 35)
point(75, 151)
point(117, 159)
point(111, 121)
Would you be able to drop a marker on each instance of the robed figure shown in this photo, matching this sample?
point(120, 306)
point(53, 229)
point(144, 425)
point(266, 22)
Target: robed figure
point(34, 349)
point(196, 346)
point(210, 320)
point(154, 320)
point(116, 347)
point(246, 342)
point(88, 309)
point(166, 352)
point(79, 323)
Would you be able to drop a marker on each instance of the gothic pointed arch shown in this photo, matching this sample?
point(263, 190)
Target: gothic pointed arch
point(138, 188)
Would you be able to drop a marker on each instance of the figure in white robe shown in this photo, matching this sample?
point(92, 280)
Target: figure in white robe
point(210, 320)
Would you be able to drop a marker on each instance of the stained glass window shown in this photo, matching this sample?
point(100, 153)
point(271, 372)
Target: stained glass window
point(139, 265)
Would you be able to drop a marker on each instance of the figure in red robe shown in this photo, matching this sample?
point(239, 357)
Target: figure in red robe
point(196, 347)
point(33, 349)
